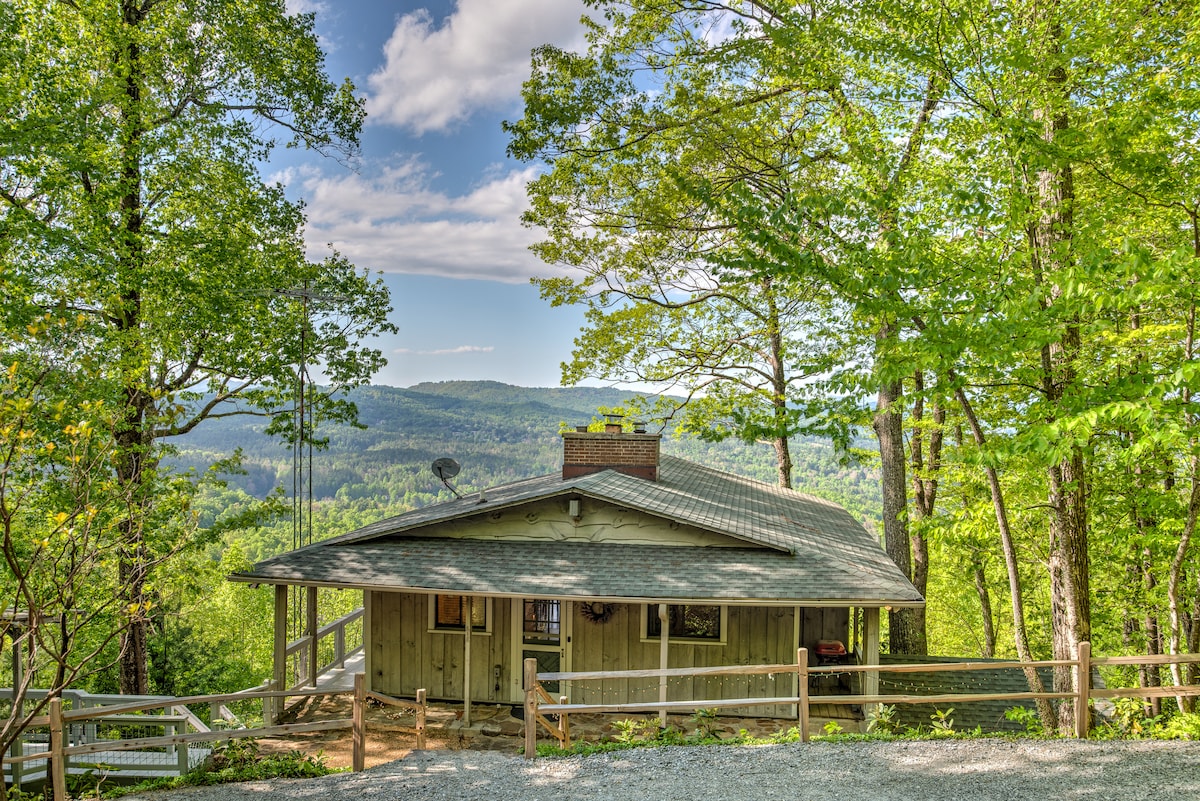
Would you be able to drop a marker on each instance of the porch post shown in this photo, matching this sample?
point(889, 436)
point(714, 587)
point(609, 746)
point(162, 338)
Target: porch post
point(310, 623)
point(870, 653)
point(279, 658)
point(367, 640)
point(664, 639)
point(468, 613)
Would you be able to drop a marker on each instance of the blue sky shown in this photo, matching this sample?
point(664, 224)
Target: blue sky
point(432, 203)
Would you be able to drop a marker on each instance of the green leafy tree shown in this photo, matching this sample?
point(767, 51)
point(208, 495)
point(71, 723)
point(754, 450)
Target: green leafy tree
point(731, 181)
point(59, 519)
point(130, 194)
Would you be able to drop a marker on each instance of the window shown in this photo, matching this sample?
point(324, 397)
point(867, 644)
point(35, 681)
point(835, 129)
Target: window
point(687, 622)
point(449, 612)
point(541, 621)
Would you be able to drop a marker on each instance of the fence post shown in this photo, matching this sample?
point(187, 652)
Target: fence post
point(802, 692)
point(530, 708)
point(357, 726)
point(58, 763)
point(421, 719)
point(182, 750)
point(1083, 689)
point(310, 623)
point(564, 725)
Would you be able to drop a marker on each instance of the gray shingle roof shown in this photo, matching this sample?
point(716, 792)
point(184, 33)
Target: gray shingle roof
point(795, 547)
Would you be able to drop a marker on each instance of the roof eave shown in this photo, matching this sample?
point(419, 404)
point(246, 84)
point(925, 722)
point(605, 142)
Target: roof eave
point(866, 603)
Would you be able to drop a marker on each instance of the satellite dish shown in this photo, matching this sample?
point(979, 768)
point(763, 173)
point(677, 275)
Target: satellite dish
point(445, 469)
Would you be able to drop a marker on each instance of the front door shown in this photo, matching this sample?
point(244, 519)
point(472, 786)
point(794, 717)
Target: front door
point(542, 626)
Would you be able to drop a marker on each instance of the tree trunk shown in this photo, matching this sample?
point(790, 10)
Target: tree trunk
point(133, 439)
point(1008, 546)
point(1051, 257)
point(985, 607)
point(903, 636)
point(925, 485)
point(1184, 631)
point(783, 461)
point(779, 386)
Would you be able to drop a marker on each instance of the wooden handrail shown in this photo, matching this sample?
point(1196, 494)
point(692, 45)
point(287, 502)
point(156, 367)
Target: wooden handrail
point(115, 709)
point(743, 670)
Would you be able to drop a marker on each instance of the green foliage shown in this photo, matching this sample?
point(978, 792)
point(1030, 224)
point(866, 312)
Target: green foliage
point(1027, 718)
point(705, 721)
point(941, 723)
point(131, 201)
point(884, 719)
point(237, 761)
point(987, 212)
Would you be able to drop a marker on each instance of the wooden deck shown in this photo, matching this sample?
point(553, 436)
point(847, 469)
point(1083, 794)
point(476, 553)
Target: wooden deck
point(342, 678)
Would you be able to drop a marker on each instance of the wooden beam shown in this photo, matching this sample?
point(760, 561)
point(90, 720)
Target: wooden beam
point(358, 726)
point(279, 655)
point(421, 720)
point(310, 627)
point(468, 613)
point(1083, 686)
point(531, 708)
point(564, 725)
point(201, 737)
point(802, 692)
point(58, 759)
point(870, 683)
point(368, 658)
point(664, 640)
point(1147, 659)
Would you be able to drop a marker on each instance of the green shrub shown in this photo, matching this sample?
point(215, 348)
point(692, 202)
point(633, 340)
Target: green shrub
point(236, 761)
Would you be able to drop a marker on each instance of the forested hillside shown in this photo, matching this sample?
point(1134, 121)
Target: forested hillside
point(496, 432)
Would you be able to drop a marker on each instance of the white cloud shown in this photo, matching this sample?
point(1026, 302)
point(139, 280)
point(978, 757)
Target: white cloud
point(437, 75)
point(306, 6)
point(388, 217)
point(446, 351)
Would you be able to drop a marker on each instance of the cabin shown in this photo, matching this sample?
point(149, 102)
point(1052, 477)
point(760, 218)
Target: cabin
point(626, 559)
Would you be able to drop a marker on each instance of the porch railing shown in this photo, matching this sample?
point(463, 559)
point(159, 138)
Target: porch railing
point(342, 632)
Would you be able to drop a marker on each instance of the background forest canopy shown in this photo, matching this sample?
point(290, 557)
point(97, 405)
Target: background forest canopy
point(983, 216)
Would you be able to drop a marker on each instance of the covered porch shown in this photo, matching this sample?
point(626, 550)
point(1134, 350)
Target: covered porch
point(470, 657)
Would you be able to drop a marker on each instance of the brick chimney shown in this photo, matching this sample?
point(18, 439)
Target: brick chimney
point(586, 452)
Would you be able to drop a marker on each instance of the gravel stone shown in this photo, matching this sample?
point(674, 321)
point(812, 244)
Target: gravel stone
point(978, 770)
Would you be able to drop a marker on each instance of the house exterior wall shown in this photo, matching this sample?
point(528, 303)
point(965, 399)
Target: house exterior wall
point(753, 635)
point(406, 655)
point(597, 522)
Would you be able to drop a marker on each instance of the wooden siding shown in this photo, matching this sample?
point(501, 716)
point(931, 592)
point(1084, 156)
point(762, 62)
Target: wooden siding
point(598, 522)
point(407, 656)
point(754, 635)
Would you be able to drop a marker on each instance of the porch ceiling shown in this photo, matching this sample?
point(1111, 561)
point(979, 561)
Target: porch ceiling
point(590, 570)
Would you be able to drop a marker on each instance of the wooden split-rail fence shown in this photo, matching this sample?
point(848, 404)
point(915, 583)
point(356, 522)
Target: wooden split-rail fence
point(553, 716)
point(64, 750)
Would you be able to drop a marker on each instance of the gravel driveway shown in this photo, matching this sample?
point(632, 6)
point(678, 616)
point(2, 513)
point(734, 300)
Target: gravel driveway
point(978, 770)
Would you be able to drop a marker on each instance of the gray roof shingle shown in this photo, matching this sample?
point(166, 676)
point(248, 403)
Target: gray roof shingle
point(795, 547)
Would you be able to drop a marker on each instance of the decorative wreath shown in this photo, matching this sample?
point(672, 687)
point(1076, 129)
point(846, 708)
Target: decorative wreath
point(597, 611)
